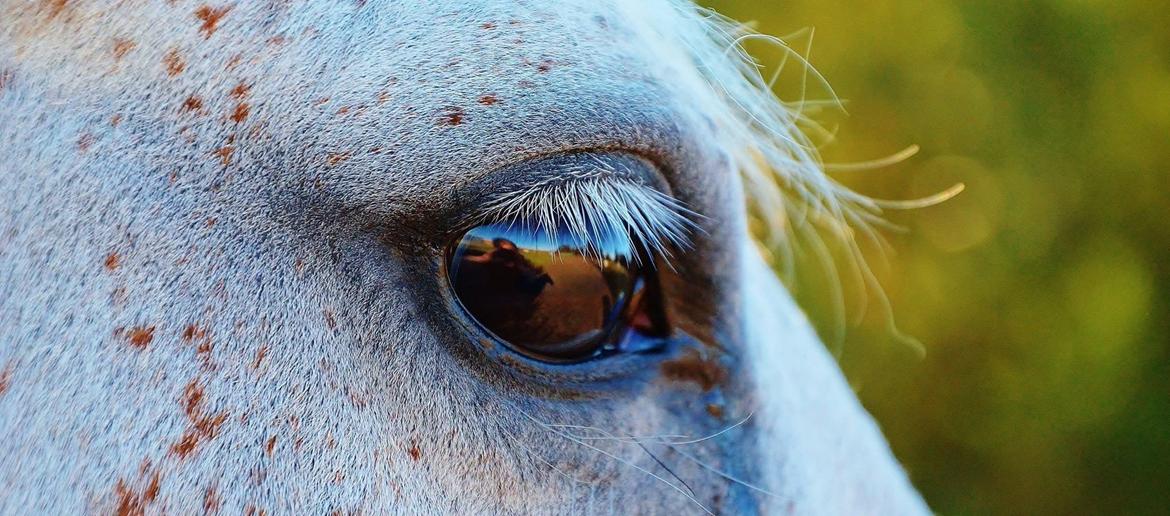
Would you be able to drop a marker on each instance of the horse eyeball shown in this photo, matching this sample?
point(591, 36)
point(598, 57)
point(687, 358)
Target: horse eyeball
point(555, 298)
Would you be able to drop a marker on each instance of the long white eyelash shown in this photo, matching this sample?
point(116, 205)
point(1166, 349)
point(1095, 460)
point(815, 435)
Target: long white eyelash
point(605, 212)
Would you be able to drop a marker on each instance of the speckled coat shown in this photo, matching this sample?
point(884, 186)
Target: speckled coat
point(221, 234)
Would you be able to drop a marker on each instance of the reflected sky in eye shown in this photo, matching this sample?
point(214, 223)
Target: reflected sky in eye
point(604, 244)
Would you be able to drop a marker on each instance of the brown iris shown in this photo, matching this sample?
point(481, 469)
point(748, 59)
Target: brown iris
point(554, 297)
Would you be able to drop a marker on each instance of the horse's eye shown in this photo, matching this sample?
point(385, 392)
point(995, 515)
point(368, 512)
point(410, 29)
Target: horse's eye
point(555, 298)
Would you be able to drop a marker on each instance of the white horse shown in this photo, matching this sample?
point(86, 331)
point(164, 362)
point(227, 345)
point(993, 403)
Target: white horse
point(416, 257)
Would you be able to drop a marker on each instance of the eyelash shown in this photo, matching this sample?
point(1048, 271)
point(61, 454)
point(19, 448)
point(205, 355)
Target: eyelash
point(597, 210)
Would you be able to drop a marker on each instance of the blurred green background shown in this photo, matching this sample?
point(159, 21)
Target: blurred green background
point(1041, 293)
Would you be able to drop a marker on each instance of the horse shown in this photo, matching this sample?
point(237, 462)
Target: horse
point(251, 252)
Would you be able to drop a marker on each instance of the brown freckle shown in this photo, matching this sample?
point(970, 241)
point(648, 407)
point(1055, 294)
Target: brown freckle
point(224, 154)
point(122, 47)
point(330, 320)
point(173, 62)
point(85, 141)
point(716, 411)
point(321, 101)
point(233, 62)
point(5, 78)
point(192, 103)
point(210, 501)
point(192, 400)
point(55, 6)
point(414, 452)
point(260, 354)
point(210, 16)
point(544, 66)
point(488, 26)
point(488, 100)
point(338, 477)
point(115, 120)
point(383, 96)
point(270, 445)
point(112, 261)
point(210, 222)
point(241, 90)
point(6, 378)
point(693, 368)
point(452, 116)
point(334, 158)
point(151, 491)
point(140, 337)
point(240, 113)
point(128, 502)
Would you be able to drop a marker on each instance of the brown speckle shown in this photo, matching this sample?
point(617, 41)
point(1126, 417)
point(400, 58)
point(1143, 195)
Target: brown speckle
point(112, 262)
point(140, 336)
point(5, 378)
point(173, 61)
point(334, 158)
point(210, 16)
point(414, 452)
point(488, 99)
point(192, 400)
point(224, 154)
point(193, 103)
point(330, 320)
point(488, 26)
point(240, 113)
point(260, 354)
point(122, 47)
point(210, 501)
point(129, 504)
point(54, 6)
point(115, 120)
point(151, 492)
point(6, 77)
point(241, 90)
point(544, 66)
point(716, 411)
point(694, 368)
point(203, 426)
point(85, 141)
point(270, 445)
point(452, 116)
point(233, 62)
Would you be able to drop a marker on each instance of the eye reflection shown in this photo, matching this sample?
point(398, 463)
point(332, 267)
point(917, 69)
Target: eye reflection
point(553, 297)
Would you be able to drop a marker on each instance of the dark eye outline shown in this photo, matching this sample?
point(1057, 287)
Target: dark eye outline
point(580, 377)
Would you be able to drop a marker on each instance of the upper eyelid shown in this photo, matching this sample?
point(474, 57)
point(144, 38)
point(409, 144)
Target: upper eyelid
point(596, 198)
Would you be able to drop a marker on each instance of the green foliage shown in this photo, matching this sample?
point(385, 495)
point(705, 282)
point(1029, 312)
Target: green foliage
point(1042, 293)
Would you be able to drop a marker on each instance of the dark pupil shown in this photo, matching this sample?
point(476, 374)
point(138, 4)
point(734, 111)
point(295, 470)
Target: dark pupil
point(550, 296)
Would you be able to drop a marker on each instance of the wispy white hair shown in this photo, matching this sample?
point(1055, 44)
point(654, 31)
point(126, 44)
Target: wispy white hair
point(793, 202)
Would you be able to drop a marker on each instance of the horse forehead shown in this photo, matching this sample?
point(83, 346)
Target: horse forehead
point(443, 90)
